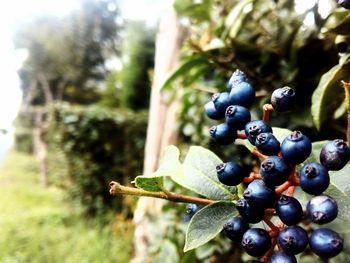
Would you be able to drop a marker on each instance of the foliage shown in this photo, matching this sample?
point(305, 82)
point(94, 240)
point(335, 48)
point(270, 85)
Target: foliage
point(138, 61)
point(64, 65)
point(275, 47)
point(99, 145)
point(38, 225)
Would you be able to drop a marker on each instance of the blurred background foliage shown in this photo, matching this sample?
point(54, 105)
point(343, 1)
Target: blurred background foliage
point(88, 77)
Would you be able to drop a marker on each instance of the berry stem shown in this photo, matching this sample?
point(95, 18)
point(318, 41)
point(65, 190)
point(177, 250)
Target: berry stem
point(265, 258)
point(251, 177)
point(241, 136)
point(118, 189)
point(283, 187)
point(267, 109)
point(258, 154)
point(290, 190)
point(272, 226)
point(346, 86)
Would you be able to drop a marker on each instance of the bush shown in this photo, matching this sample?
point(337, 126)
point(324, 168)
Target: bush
point(98, 146)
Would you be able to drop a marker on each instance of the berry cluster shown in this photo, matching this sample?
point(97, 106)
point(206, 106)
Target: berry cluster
point(270, 192)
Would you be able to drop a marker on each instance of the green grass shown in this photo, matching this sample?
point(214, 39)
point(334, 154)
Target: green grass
point(37, 224)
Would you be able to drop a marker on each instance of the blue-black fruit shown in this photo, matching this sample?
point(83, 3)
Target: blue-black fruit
point(223, 134)
point(293, 239)
point(289, 210)
point(322, 209)
point(274, 171)
point(254, 128)
point(283, 99)
point(326, 243)
point(235, 227)
point(335, 155)
point(295, 148)
point(314, 178)
point(267, 144)
point(230, 173)
point(256, 242)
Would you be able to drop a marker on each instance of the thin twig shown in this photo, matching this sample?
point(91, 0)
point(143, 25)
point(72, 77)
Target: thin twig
point(118, 189)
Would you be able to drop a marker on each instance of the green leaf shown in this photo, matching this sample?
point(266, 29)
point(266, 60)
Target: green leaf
point(199, 175)
point(342, 28)
point(339, 189)
point(169, 165)
point(235, 18)
point(183, 69)
point(207, 223)
point(329, 93)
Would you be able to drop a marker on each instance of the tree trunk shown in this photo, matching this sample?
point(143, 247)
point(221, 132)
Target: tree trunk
point(41, 146)
point(161, 124)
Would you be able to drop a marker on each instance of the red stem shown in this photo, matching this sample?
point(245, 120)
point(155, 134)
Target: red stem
point(267, 108)
point(258, 154)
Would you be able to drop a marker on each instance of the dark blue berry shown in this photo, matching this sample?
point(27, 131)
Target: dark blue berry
point(282, 257)
point(230, 173)
point(249, 213)
point(223, 134)
point(267, 144)
point(335, 155)
point(237, 77)
point(211, 111)
point(254, 128)
point(274, 171)
point(258, 194)
point(191, 209)
point(293, 239)
point(289, 210)
point(344, 3)
point(242, 94)
point(256, 242)
point(322, 209)
point(283, 99)
point(235, 227)
point(314, 178)
point(296, 148)
point(326, 243)
point(237, 116)
point(221, 102)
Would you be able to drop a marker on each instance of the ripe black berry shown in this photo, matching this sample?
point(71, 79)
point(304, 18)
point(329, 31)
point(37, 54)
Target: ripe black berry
point(258, 194)
point(242, 94)
point(322, 209)
point(344, 3)
point(237, 77)
point(296, 148)
point(274, 171)
point(211, 111)
point(249, 213)
point(282, 257)
point(221, 102)
point(293, 239)
point(223, 134)
point(326, 243)
point(335, 155)
point(256, 242)
point(267, 144)
point(314, 178)
point(237, 116)
point(235, 227)
point(191, 209)
point(289, 210)
point(254, 128)
point(283, 99)
point(230, 173)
